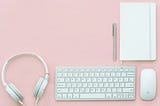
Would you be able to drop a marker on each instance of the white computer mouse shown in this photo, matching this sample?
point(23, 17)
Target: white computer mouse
point(148, 84)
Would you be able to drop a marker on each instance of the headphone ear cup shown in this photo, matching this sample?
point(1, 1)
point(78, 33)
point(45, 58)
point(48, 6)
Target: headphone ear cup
point(40, 87)
point(14, 92)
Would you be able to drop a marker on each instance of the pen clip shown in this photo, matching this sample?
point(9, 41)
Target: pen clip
point(114, 29)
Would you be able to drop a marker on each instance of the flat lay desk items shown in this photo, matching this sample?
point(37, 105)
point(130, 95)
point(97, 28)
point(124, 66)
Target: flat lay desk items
point(107, 83)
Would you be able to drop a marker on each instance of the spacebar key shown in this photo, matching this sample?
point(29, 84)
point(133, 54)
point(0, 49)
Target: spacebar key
point(92, 96)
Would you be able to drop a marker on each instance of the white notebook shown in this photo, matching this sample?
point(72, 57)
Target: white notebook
point(137, 31)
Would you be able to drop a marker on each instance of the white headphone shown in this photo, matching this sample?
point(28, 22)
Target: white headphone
point(40, 86)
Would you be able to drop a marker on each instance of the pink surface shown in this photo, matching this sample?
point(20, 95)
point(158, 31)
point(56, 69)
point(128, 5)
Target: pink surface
point(64, 32)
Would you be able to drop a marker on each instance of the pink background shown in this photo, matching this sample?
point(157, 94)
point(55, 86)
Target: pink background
point(63, 32)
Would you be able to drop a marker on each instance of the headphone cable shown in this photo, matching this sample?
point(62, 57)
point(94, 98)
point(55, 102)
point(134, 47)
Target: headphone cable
point(37, 100)
point(36, 103)
point(22, 104)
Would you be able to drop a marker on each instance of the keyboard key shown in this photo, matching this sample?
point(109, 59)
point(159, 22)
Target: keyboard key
point(59, 96)
point(62, 90)
point(61, 85)
point(64, 95)
point(127, 89)
point(73, 85)
point(125, 79)
point(131, 96)
point(79, 85)
point(112, 74)
point(94, 80)
point(96, 74)
point(107, 74)
point(116, 84)
point(108, 89)
point(93, 90)
point(125, 95)
point(82, 90)
point(118, 74)
point(75, 96)
point(70, 96)
point(60, 79)
point(111, 84)
point(114, 89)
point(84, 85)
point(69, 74)
point(110, 80)
point(121, 70)
point(92, 96)
point(101, 84)
point(115, 96)
point(90, 84)
point(103, 90)
point(121, 84)
point(92, 74)
point(76, 90)
point(86, 74)
point(124, 74)
point(104, 79)
point(68, 84)
point(115, 79)
point(88, 79)
point(83, 80)
point(120, 79)
point(131, 79)
point(129, 84)
point(81, 75)
point(119, 89)
point(64, 74)
point(106, 84)
point(130, 74)
point(75, 74)
point(99, 79)
point(77, 79)
point(71, 90)
point(87, 90)
point(126, 69)
point(73, 80)
point(108, 95)
point(59, 74)
point(98, 89)
point(102, 74)
point(95, 85)
point(67, 80)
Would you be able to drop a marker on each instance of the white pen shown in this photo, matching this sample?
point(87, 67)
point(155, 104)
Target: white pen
point(114, 32)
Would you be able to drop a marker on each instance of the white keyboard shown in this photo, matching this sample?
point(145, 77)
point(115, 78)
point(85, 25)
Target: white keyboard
point(95, 83)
